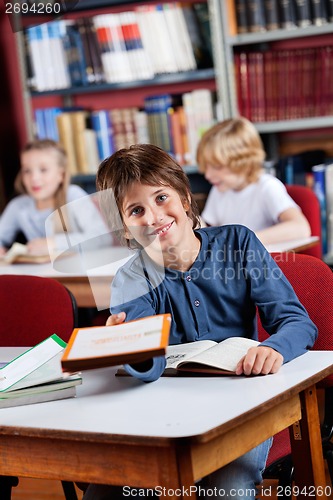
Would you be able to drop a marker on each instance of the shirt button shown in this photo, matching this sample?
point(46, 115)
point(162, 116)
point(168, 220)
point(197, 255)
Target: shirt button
point(197, 303)
point(188, 278)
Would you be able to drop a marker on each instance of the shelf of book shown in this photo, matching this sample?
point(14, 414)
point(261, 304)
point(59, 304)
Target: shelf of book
point(279, 78)
point(131, 58)
point(166, 79)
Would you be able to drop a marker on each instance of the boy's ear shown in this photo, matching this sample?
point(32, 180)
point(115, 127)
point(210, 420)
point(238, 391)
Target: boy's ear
point(187, 204)
point(127, 234)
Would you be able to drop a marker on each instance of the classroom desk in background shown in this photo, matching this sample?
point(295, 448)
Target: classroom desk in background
point(89, 275)
point(293, 245)
point(169, 433)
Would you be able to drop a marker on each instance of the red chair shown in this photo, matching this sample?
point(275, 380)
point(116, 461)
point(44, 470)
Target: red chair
point(307, 200)
point(312, 281)
point(32, 309)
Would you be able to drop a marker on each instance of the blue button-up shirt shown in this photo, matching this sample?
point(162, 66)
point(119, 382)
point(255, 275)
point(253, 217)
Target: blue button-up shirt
point(217, 297)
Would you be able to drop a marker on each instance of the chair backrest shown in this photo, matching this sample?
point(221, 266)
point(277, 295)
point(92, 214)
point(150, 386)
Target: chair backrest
point(33, 308)
point(307, 200)
point(312, 281)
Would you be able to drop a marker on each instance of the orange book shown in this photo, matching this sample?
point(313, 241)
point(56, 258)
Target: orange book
point(131, 342)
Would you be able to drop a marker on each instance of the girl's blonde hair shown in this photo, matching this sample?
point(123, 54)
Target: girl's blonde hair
point(146, 164)
point(233, 143)
point(60, 196)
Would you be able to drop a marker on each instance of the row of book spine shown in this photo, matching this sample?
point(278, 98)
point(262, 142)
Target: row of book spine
point(263, 15)
point(173, 122)
point(118, 47)
point(285, 84)
point(323, 187)
point(297, 170)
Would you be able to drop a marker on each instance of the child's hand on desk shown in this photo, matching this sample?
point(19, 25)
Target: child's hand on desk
point(260, 360)
point(38, 246)
point(116, 319)
point(3, 250)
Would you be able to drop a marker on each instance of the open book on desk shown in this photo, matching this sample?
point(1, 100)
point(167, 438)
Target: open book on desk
point(36, 376)
point(130, 342)
point(18, 254)
point(205, 357)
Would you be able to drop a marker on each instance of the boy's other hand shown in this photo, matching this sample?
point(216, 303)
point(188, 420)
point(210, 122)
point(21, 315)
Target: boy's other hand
point(116, 319)
point(260, 360)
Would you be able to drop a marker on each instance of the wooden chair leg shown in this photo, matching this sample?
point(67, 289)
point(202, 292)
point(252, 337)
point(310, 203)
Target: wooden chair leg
point(69, 490)
point(6, 485)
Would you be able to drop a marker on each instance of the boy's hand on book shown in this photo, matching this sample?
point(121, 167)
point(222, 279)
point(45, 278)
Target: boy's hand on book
point(260, 360)
point(116, 319)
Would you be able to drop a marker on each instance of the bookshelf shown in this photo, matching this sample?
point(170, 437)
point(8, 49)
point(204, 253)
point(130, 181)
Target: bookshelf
point(109, 94)
point(249, 52)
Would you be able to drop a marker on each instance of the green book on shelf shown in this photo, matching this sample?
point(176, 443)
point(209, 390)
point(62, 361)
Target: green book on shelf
point(36, 375)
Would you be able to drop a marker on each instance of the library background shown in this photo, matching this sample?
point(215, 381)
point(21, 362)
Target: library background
point(98, 75)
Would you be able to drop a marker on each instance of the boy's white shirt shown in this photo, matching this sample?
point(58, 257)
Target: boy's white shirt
point(257, 206)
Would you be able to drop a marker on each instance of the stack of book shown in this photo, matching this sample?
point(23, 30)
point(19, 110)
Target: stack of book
point(36, 376)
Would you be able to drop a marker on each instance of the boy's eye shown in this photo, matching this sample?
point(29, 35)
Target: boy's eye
point(162, 197)
point(136, 211)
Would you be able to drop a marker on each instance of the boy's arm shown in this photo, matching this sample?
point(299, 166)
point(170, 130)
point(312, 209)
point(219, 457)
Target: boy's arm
point(292, 225)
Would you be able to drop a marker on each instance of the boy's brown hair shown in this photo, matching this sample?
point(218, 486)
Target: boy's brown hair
point(146, 164)
point(60, 197)
point(233, 143)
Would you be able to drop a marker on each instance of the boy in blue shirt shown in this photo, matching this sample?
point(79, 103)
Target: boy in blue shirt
point(211, 280)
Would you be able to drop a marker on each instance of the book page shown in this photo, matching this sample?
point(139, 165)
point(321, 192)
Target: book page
point(224, 355)
point(176, 354)
point(141, 335)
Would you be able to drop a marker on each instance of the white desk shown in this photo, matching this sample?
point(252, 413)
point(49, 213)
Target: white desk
point(168, 433)
point(293, 245)
point(88, 276)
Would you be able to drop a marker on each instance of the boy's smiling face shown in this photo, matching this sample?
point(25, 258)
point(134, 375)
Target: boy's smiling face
point(156, 217)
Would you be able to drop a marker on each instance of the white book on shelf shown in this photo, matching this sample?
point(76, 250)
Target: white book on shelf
point(203, 110)
point(90, 145)
point(139, 59)
point(141, 126)
point(47, 56)
point(106, 48)
point(191, 129)
point(34, 46)
point(149, 41)
point(62, 78)
point(187, 47)
point(121, 61)
point(161, 45)
point(175, 36)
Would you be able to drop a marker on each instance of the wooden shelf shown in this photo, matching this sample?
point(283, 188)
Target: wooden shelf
point(167, 79)
point(290, 125)
point(280, 34)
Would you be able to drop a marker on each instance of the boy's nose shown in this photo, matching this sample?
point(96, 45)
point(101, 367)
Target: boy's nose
point(153, 217)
